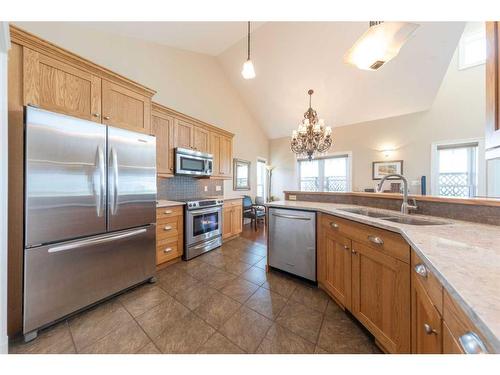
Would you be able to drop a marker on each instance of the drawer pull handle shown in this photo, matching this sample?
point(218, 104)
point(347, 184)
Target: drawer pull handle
point(472, 344)
point(421, 270)
point(168, 227)
point(168, 212)
point(167, 250)
point(376, 240)
point(334, 225)
point(429, 330)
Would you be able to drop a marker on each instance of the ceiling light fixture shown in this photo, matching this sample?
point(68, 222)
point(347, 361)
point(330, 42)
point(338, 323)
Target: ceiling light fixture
point(379, 44)
point(312, 135)
point(248, 71)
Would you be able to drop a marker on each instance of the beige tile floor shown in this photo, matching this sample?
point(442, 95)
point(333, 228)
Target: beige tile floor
point(220, 302)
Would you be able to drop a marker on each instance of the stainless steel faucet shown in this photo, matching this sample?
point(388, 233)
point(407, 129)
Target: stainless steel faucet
point(405, 207)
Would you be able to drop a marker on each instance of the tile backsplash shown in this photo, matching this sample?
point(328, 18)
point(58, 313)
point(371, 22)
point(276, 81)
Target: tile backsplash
point(185, 187)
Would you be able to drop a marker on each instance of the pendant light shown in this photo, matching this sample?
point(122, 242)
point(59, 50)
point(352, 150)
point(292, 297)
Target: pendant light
point(379, 44)
point(248, 72)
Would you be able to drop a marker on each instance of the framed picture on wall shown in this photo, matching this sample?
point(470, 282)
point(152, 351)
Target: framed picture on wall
point(383, 168)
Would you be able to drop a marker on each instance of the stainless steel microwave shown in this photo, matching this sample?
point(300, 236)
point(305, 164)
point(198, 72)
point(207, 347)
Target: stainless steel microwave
point(195, 163)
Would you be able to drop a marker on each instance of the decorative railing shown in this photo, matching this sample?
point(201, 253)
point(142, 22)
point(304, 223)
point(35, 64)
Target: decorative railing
point(455, 185)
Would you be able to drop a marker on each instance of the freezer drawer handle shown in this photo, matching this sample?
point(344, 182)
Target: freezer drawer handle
point(293, 217)
point(83, 243)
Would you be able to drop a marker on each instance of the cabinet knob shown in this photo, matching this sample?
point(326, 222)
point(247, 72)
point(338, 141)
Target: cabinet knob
point(107, 117)
point(96, 115)
point(346, 247)
point(167, 250)
point(354, 252)
point(334, 225)
point(167, 228)
point(429, 330)
point(421, 270)
point(376, 240)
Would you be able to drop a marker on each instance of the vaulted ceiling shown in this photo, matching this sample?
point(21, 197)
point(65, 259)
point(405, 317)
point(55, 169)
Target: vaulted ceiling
point(291, 57)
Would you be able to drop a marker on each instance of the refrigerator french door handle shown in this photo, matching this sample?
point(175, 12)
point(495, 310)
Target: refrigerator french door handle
point(84, 243)
point(102, 182)
point(114, 164)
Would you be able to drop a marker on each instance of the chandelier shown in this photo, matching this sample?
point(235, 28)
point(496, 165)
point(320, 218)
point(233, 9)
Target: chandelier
point(312, 135)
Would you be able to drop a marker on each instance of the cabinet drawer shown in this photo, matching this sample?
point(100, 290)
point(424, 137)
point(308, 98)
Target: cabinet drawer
point(387, 242)
point(168, 227)
point(233, 202)
point(458, 323)
point(429, 282)
point(168, 251)
point(164, 212)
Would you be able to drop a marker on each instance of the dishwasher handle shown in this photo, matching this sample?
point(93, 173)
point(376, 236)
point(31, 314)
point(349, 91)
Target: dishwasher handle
point(293, 217)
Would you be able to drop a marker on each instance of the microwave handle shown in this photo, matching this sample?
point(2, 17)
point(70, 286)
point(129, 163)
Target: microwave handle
point(208, 166)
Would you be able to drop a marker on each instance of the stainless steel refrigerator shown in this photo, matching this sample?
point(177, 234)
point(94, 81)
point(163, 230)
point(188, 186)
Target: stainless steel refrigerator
point(90, 197)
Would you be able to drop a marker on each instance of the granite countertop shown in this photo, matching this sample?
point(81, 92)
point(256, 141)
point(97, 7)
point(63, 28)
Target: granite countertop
point(464, 256)
point(165, 203)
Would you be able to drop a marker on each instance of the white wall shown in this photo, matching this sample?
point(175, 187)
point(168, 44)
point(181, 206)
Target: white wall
point(189, 82)
point(458, 112)
point(4, 45)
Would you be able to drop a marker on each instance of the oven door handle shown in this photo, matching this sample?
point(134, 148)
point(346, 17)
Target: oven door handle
point(205, 211)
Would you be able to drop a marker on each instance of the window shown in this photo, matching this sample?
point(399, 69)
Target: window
point(325, 174)
point(457, 166)
point(261, 179)
point(472, 46)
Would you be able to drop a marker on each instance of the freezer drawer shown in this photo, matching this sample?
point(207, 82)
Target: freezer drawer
point(65, 277)
point(292, 242)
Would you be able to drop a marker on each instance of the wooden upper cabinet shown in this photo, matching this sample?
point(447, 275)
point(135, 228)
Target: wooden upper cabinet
point(201, 139)
point(492, 134)
point(381, 296)
point(183, 134)
point(334, 266)
point(162, 126)
point(221, 147)
point(125, 108)
point(59, 87)
point(427, 334)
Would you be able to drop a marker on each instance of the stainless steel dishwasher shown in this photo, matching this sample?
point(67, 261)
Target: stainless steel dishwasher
point(292, 241)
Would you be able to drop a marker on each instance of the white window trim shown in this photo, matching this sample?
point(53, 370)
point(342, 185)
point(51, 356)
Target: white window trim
point(461, 50)
point(262, 160)
point(329, 155)
point(481, 165)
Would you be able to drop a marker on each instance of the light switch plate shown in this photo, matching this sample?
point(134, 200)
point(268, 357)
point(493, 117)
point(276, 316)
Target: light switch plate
point(205, 188)
point(292, 197)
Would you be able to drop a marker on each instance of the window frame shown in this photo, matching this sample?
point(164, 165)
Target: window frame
point(333, 155)
point(462, 48)
point(481, 167)
point(261, 160)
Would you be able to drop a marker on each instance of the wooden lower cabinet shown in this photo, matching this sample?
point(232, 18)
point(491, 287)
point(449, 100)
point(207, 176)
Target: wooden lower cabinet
point(232, 218)
point(427, 331)
point(334, 266)
point(169, 233)
point(381, 296)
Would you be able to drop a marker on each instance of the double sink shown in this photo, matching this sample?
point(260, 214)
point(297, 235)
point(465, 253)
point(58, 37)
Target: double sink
point(401, 219)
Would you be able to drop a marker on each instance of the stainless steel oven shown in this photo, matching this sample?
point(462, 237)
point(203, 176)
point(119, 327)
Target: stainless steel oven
point(194, 163)
point(203, 226)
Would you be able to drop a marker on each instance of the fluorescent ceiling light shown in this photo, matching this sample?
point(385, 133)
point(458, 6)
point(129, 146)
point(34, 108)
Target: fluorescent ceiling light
point(379, 44)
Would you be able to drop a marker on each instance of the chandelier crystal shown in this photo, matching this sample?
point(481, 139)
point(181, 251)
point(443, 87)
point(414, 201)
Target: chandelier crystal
point(312, 135)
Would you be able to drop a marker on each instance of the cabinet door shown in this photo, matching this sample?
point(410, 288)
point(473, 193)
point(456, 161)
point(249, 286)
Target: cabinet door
point(163, 127)
point(215, 144)
point(183, 134)
point(450, 345)
point(381, 296)
point(334, 265)
point(237, 219)
point(426, 322)
point(125, 109)
point(201, 139)
point(59, 87)
point(492, 136)
point(227, 222)
point(226, 156)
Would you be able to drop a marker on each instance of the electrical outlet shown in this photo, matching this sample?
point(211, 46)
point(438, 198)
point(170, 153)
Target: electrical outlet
point(205, 188)
point(218, 188)
point(292, 197)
